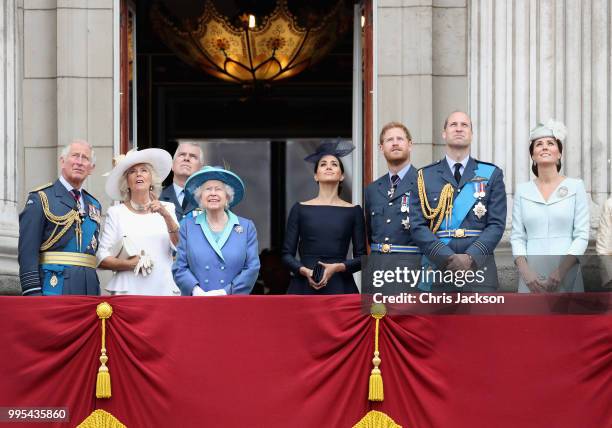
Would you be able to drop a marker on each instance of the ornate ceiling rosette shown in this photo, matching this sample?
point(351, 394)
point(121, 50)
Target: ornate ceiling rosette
point(252, 48)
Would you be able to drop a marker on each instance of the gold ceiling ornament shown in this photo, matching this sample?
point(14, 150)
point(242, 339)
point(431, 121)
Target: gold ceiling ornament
point(262, 49)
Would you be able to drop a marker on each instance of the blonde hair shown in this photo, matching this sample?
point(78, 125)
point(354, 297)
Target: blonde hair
point(156, 182)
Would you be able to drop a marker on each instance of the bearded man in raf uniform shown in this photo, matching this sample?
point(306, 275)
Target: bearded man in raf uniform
point(387, 200)
point(459, 214)
point(58, 230)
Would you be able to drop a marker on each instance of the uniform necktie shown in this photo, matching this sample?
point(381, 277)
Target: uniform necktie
point(457, 173)
point(395, 179)
point(76, 195)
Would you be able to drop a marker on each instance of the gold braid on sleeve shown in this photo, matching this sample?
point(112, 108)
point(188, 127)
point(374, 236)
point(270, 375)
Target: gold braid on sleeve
point(445, 204)
point(65, 221)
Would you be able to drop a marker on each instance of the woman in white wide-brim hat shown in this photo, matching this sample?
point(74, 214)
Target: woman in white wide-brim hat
point(139, 235)
point(550, 218)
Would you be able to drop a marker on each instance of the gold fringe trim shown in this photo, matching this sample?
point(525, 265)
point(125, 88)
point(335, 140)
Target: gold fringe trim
point(376, 419)
point(66, 221)
point(103, 382)
point(445, 203)
point(375, 390)
point(101, 419)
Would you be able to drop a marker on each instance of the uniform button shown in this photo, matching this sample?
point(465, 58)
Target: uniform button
point(206, 281)
point(222, 267)
point(388, 220)
point(390, 203)
point(386, 239)
point(207, 267)
point(222, 282)
point(372, 212)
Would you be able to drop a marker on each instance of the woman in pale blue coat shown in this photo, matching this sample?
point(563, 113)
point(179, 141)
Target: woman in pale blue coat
point(550, 219)
point(218, 251)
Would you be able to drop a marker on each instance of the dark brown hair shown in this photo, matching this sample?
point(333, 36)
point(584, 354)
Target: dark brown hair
point(534, 166)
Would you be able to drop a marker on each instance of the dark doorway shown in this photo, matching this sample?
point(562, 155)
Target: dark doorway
point(176, 101)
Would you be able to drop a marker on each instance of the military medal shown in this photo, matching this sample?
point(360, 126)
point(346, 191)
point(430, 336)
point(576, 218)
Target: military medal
point(390, 192)
point(479, 191)
point(479, 210)
point(238, 229)
point(406, 223)
point(53, 281)
point(94, 243)
point(404, 207)
point(94, 213)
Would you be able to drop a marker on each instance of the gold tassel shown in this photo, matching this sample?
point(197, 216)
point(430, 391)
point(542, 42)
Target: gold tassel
point(103, 382)
point(376, 390)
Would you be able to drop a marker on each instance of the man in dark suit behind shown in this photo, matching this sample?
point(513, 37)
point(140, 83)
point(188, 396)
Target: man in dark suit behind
point(188, 159)
point(387, 200)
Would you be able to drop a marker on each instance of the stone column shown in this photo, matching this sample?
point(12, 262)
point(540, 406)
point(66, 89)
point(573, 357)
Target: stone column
point(403, 35)
point(534, 60)
point(10, 12)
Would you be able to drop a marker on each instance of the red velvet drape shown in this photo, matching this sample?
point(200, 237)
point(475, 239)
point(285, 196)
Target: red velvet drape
point(291, 361)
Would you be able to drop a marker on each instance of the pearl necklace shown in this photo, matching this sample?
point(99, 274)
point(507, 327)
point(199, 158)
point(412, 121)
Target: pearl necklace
point(139, 207)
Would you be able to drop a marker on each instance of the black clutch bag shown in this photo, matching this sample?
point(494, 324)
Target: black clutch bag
point(317, 273)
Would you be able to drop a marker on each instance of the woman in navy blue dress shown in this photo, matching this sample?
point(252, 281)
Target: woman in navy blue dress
point(323, 228)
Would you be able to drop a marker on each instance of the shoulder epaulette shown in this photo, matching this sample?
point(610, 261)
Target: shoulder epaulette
point(91, 196)
point(39, 188)
point(431, 164)
point(487, 163)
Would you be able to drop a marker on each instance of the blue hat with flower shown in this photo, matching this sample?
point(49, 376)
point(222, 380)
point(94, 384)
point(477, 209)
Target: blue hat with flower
point(214, 173)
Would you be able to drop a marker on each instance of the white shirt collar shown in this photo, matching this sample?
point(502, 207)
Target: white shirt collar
point(67, 185)
point(177, 189)
point(452, 162)
point(402, 172)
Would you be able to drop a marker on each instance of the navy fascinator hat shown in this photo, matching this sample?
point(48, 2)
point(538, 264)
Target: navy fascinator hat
point(337, 148)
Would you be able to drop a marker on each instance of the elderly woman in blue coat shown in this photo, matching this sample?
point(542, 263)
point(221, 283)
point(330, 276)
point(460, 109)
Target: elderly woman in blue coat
point(217, 252)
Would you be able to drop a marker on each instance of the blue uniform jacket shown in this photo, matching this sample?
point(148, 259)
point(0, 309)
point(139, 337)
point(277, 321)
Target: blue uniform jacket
point(383, 214)
point(34, 229)
point(233, 267)
point(492, 224)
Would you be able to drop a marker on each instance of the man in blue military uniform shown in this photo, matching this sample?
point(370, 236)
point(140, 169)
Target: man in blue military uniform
point(58, 230)
point(387, 200)
point(188, 159)
point(459, 214)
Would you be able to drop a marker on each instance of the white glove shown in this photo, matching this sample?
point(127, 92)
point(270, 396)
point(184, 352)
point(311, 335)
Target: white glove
point(220, 292)
point(197, 291)
point(145, 264)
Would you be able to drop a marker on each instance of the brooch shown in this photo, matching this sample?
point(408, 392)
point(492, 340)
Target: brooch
point(562, 191)
point(238, 229)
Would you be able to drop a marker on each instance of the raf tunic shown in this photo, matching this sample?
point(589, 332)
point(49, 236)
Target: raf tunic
point(386, 223)
point(48, 276)
point(481, 231)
